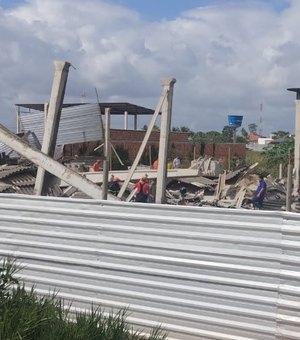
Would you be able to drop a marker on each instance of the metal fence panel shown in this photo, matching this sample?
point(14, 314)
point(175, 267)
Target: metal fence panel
point(78, 124)
point(203, 273)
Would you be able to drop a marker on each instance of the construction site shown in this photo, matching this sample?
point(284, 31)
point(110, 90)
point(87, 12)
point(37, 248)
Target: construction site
point(195, 256)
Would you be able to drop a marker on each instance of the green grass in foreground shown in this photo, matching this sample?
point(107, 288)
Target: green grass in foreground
point(26, 316)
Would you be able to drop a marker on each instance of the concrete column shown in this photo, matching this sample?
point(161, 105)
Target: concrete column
point(297, 141)
point(125, 120)
point(168, 84)
point(52, 121)
point(18, 119)
point(289, 188)
point(107, 153)
point(297, 147)
point(135, 122)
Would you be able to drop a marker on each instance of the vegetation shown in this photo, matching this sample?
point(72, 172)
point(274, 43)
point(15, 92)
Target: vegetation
point(270, 159)
point(282, 153)
point(25, 316)
point(252, 128)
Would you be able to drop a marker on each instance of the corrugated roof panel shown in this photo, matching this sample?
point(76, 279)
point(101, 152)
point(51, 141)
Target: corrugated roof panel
point(78, 124)
point(203, 273)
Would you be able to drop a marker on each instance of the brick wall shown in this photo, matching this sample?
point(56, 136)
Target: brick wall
point(131, 140)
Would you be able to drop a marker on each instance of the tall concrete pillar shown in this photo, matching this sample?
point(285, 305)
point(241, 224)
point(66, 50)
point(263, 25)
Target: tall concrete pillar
point(125, 120)
point(168, 84)
point(297, 141)
point(52, 121)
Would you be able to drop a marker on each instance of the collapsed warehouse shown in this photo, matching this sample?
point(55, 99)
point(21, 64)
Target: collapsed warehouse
point(204, 183)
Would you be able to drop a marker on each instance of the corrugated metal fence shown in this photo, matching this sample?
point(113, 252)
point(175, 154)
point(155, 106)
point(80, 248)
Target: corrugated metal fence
point(78, 124)
point(203, 273)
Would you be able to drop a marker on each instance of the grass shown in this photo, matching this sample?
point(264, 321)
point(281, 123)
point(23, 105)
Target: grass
point(26, 316)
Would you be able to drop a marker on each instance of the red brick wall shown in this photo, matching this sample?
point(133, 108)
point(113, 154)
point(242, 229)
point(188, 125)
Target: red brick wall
point(131, 140)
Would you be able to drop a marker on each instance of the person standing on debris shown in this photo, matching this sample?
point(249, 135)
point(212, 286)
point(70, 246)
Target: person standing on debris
point(155, 164)
point(176, 163)
point(142, 192)
point(96, 165)
point(115, 186)
point(260, 193)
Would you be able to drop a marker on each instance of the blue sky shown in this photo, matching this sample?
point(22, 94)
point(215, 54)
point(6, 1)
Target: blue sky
point(168, 9)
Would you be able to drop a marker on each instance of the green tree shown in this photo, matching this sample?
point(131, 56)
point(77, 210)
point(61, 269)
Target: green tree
point(227, 133)
point(280, 153)
point(241, 139)
point(281, 134)
point(244, 133)
point(214, 137)
point(181, 129)
point(252, 128)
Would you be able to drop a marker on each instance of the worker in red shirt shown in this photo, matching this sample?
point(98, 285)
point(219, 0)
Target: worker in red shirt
point(96, 165)
point(142, 192)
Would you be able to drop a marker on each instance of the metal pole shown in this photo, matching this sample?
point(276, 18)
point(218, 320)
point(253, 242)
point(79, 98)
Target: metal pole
point(106, 154)
point(289, 188)
point(234, 135)
point(164, 141)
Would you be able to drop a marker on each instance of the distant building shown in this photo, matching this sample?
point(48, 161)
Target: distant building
point(253, 137)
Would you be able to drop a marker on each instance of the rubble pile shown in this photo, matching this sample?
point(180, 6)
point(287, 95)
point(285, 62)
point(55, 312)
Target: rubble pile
point(211, 187)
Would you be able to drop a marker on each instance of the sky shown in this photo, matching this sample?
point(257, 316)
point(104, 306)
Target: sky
point(228, 57)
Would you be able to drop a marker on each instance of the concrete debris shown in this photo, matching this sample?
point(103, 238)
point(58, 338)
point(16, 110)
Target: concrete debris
point(207, 166)
point(184, 187)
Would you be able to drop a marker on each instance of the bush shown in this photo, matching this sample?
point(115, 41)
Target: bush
point(26, 316)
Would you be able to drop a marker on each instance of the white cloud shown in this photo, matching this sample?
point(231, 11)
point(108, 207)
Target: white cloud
point(227, 59)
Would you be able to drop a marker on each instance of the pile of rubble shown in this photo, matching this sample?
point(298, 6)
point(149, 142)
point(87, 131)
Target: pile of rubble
point(230, 190)
point(205, 183)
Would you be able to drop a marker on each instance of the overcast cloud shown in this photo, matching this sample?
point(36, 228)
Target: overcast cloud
point(227, 59)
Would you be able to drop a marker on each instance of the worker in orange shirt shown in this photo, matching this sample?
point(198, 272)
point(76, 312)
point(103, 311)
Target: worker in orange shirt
point(155, 164)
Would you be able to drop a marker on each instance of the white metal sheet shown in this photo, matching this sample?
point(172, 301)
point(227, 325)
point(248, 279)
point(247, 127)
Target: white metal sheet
point(203, 273)
point(78, 124)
